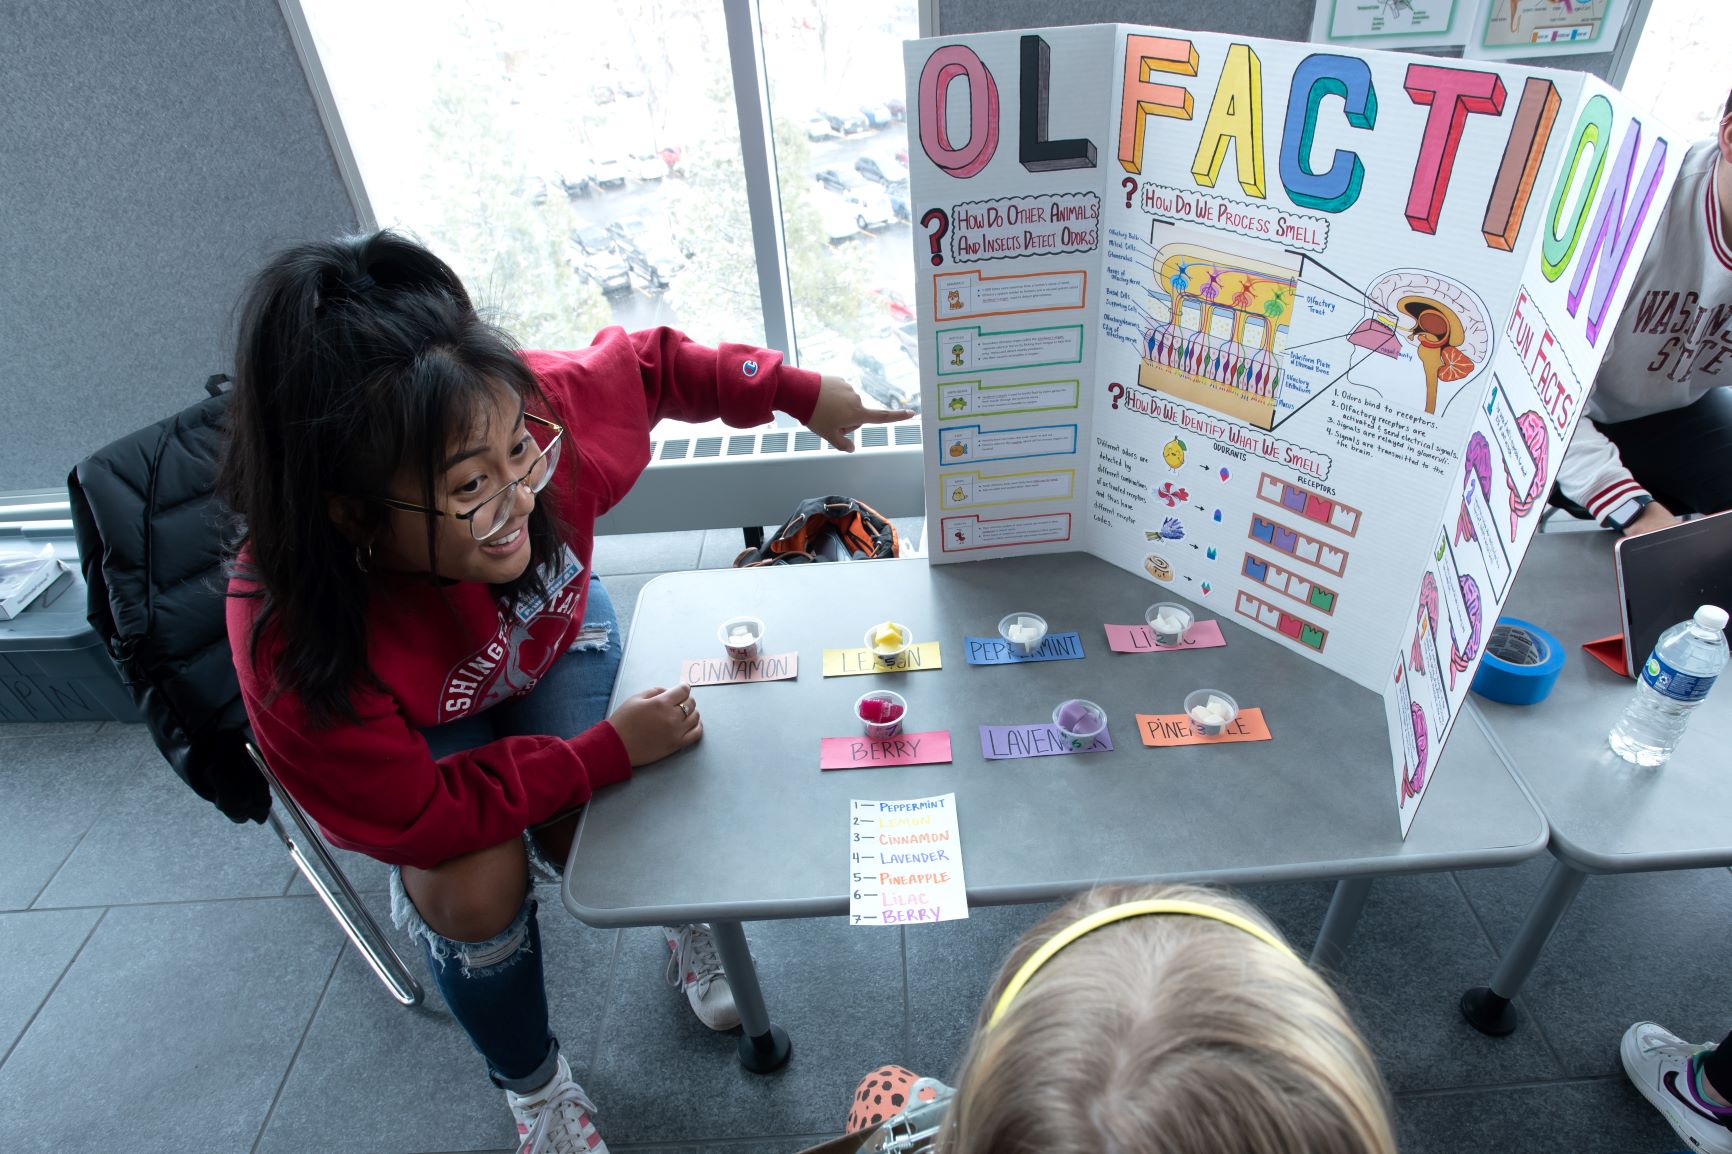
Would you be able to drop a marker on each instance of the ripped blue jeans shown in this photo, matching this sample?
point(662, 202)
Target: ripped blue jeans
point(494, 988)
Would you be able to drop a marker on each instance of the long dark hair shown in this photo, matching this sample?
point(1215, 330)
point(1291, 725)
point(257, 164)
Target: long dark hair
point(355, 358)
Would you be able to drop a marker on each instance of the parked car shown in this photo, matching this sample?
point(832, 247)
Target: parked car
point(818, 128)
point(838, 216)
point(591, 239)
point(893, 303)
point(871, 207)
point(629, 234)
point(630, 86)
point(576, 182)
point(603, 93)
point(606, 271)
point(647, 166)
point(609, 174)
point(655, 266)
point(908, 336)
point(897, 107)
point(887, 373)
point(877, 116)
point(844, 120)
point(898, 195)
point(882, 170)
point(835, 180)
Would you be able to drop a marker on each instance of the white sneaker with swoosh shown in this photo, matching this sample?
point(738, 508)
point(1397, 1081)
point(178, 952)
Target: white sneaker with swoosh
point(1658, 1062)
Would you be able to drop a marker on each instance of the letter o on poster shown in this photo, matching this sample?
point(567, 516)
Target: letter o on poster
point(949, 63)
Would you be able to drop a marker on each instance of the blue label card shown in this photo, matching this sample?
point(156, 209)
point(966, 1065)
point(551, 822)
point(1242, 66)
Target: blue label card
point(997, 651)
point(1003, 742)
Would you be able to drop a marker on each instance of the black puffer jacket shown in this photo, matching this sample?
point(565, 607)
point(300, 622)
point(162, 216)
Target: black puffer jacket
point(150, 536)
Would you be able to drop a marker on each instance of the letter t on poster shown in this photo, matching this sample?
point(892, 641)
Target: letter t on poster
point(905, 862)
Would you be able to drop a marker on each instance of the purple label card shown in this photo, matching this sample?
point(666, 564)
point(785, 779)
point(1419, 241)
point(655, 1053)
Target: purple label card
point(1004, 742)
point(1141, 639)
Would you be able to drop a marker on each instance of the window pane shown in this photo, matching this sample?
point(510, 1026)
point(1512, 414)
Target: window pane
point(1679, 68)
point(835, 72)
point(577, 164)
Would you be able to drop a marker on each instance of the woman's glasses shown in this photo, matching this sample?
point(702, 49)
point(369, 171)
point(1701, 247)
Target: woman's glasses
point(492, 514)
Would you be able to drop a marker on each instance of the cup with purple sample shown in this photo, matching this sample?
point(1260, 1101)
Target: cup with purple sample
point(1168, 621)
point(740, 636)
point(1079, 722)
point(881, 712)
point(1210, 712)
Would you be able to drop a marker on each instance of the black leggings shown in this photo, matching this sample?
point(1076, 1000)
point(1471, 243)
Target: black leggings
point(1717, 1068)
point(1683, 457)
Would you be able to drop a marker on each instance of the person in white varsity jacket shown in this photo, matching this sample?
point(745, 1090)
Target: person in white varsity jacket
point(1658, 439)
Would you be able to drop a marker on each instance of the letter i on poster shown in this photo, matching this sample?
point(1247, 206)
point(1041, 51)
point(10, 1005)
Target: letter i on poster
point(905, 862)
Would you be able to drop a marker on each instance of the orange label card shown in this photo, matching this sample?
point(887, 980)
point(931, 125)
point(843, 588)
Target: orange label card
point(1175, 729)
point(727, 671)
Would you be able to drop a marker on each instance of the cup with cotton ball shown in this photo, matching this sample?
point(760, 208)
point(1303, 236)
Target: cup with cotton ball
point(1023, 632)
point(1210, 712)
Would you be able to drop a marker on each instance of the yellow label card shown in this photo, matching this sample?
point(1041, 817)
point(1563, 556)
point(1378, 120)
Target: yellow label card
point(849, 662)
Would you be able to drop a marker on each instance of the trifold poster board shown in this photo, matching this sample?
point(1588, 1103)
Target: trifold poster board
point(1297, 333)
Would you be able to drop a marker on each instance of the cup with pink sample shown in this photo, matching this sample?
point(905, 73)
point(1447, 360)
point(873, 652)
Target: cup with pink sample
point(881, 713)
point(1079, 722)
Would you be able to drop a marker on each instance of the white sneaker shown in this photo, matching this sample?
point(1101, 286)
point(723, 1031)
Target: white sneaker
point(1658, 1062)
point(556, 1118)
point(695, 967)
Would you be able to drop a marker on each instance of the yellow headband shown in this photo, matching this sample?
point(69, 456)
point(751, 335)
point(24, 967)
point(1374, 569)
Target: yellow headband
point(1119, 913)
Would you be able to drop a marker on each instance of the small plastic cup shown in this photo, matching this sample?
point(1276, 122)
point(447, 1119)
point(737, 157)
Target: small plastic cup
point(881, 713)
point(730, 636)
point(1079, 722)
point(1202, 710)
point(888, 653)
point(1168, 614)
point(1023, 632)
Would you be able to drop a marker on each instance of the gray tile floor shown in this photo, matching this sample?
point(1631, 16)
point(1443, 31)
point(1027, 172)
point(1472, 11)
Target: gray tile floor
point(167, 983)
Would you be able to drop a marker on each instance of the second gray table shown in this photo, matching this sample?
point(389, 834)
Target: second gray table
point(1606, 815)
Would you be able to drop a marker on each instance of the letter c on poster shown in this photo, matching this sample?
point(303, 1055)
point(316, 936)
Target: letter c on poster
point(949, 63)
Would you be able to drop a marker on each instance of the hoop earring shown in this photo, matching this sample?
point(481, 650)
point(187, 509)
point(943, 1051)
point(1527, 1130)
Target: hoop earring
point(364, 560)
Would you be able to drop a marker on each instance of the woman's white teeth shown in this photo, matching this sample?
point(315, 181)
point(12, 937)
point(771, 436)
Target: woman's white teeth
point(507, 539)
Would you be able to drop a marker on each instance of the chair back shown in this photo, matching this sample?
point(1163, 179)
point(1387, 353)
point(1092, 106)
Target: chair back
point(151, 540)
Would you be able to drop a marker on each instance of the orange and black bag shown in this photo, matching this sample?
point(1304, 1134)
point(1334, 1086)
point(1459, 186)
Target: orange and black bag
point(827, 529)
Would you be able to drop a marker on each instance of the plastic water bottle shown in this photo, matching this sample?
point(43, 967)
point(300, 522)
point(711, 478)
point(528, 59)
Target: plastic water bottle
point(1678, 675)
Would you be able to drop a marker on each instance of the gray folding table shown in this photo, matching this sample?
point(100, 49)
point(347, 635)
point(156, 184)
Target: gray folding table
point(745, 826)
point(1606, 816)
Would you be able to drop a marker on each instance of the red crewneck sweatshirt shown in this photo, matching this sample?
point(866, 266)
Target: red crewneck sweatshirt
point(444, 652)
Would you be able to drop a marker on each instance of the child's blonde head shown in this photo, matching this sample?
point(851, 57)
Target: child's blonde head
point(1166, 1034)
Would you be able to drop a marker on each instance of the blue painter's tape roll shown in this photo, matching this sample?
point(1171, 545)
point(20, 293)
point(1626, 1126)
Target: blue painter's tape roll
point(1521, 664)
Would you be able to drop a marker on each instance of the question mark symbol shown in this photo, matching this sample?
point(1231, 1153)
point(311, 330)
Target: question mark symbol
point(1117, 390)
point(1129, 184)
point(936, 216)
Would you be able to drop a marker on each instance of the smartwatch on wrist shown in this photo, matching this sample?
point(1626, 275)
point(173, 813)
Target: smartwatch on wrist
point(1622, 517)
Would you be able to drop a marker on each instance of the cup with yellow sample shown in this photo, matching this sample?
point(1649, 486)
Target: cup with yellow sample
point(888, 641)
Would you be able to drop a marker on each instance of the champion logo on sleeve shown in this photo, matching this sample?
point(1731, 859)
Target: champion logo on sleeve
point(749, 368)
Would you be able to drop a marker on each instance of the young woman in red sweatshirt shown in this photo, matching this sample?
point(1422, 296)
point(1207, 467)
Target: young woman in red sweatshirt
point(424, 653)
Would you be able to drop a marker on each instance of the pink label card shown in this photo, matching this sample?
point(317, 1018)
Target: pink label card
point(1141, 639)
point(866, 752)
point(727, 671)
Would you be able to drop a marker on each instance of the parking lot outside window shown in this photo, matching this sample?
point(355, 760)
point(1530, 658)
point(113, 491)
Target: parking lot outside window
point(579, 165)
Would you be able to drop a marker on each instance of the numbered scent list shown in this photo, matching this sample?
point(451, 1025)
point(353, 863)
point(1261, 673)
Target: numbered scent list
point(905, 862)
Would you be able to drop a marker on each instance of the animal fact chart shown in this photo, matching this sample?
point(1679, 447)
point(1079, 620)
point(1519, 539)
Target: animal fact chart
point(1298, 332)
